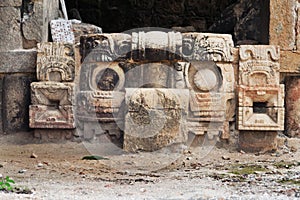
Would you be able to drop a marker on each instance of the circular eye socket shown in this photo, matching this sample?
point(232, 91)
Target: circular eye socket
point(107, 79)
point(205, 79)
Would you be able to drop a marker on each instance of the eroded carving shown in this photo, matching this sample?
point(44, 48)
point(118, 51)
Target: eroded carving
point(42, 116)
point(52, 93)
point(105, 47)
point(259, 65)
point(207, 46)
point(155, 119)
point(55, 62)
point(261, 97)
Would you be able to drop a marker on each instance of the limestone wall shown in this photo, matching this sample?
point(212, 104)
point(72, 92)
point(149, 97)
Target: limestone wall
point(23, 24)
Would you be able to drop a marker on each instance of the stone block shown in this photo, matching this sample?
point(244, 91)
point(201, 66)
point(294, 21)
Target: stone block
point(10, 33)
point(37, 16)
point(104, 47)
point(52, 93)
point(207, 76)
point(21, 61)
point(11, 3)
point(207, 46)
point(293, 106)
point(283, 23)
point(54, 135)
point(55, 62)
point(156, 118)
point(80, 29)
point(259, 65)
point(16, 100)
point(98, 105)
point(256, 141)
point(290, 62)
point(268, 119)
point(52, 117)
point(271, 96)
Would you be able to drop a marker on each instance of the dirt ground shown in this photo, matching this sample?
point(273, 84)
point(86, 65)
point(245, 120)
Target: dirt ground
point(59, 172)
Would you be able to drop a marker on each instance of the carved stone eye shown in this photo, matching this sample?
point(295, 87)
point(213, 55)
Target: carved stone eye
point(107, 79)
point(206, 79)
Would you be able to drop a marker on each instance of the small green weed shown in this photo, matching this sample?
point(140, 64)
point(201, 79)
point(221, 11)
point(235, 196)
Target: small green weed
point(6, 183)
point(247, 169)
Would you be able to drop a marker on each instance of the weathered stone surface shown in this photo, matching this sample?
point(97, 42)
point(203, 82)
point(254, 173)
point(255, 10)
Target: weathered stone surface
point(55, 62)
point(155, 119)
point(2, 119)
point(207, 46)
point(54, 135)
point(259, 65)
point(272, 96)
point(10, 33)
point(261, 97)
point(16, 100)
point(21, 61)
point(104, 47)
point(282, 24)
point(52, 93)
point(257, 141)
point(98, 105)
point(80, 29)
point(268, 119)
point(293, 106)
point(37, 15)
point(52, 117)
point(10, 3)
point(290, 62)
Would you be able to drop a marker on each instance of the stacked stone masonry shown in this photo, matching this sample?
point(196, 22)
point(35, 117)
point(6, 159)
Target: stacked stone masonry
point(186, 80)
point(52, 98)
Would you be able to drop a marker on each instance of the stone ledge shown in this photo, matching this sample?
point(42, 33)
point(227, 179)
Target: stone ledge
point(20, 61)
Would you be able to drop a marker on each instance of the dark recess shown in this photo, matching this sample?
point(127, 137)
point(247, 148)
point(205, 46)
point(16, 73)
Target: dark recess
point(250, 25)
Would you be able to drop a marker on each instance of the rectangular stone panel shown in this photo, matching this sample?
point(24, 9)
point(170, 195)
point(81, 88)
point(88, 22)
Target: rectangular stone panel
point(52, 93)
point(51, 117)
point(207, 46)
point(259, 65)
point(16, 100)
point(156, 118)
point(10, 33)
point(20, 61)
point(263, 119)
point(272, 96)
point(283, 23)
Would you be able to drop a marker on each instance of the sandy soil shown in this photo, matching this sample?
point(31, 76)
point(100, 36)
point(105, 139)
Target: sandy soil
point(60, 173)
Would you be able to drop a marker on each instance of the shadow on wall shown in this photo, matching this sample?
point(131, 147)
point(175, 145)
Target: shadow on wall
point(247, 20)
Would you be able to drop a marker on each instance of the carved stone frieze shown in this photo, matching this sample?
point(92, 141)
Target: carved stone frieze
point(271, 96)
point(105, 47)
point(52, 93)
point(207, 46)
point(260, 94)
point(51, 117)
point(259, 65)
point(270, 119)
point(156, 46)
point(99, 105)
point(55, 62)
